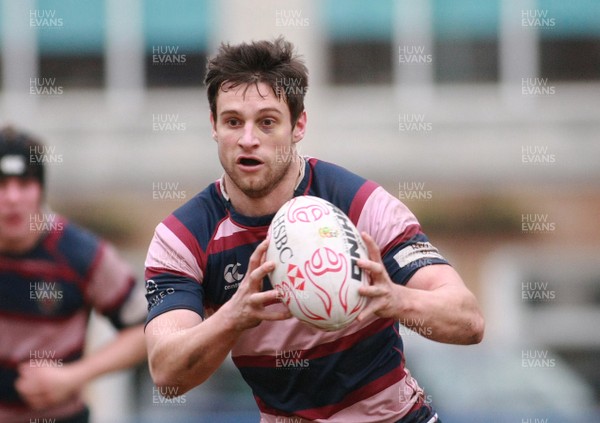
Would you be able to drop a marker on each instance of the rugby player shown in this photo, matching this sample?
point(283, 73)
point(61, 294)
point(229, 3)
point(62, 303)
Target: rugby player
point(207, 286)
point(52, 274)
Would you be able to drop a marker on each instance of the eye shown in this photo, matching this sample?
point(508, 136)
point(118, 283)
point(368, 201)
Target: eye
point(268, 122)
point(233, 122)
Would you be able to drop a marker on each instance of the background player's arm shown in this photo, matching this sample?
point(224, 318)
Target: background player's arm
point(43, 387)
point(184, 350)
point(435, 302)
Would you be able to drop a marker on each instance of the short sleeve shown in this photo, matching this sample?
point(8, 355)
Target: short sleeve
point(405, 248)
point(173, 276)
point(113, 289)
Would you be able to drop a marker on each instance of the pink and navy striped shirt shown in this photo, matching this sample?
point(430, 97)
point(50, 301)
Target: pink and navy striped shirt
point(199, 255)
point(46, 296)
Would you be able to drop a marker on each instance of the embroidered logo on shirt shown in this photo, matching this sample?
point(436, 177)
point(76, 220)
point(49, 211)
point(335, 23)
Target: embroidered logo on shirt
point(232, 273)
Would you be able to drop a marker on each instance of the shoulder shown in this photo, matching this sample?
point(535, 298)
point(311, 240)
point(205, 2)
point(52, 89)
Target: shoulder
point(78, 245)
point(181, 240)
point(196, 219)
point(336, 184)
point(327, 171)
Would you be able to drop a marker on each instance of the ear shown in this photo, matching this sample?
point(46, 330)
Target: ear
point(300, 127)
point(213, 126)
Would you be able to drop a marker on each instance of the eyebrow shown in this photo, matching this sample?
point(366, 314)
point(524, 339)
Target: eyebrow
point(264, 110)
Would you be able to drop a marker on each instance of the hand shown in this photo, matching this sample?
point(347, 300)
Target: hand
point(45, 387)
point(384, 295)
point(247, 305)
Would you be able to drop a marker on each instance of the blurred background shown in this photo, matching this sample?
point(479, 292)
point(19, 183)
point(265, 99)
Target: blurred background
point(483, 117)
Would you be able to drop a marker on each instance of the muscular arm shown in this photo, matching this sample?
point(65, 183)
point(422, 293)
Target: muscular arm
point(435, 302)
point(437, 299)
point(184, 350)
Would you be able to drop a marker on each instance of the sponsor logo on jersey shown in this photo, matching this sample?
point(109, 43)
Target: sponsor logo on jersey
point(232, 275)
point(419, 253)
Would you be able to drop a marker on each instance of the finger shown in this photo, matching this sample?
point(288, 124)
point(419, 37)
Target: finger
point(371, 291)
point(257, 267)
point(255, 278)
point(258, 255)
point(370, 265)
point(375, 270)
point(274, 315)
point(266, 298)
point(372, 248)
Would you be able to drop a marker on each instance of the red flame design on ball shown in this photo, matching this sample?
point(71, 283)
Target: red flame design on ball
point(323, 261)
point(305, 214)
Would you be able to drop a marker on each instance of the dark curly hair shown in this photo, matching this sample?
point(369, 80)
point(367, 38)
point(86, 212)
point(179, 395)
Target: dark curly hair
point(273, 63)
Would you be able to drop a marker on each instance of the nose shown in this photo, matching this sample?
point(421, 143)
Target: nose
point(249, 137)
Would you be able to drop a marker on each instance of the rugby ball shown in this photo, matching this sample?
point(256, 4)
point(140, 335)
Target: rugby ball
point(315, 247)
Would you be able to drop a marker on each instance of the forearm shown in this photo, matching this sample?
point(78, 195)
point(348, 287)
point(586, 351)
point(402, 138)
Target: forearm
point(435, 302)
point(184, 357)
point(184, 351)
point(125, 350)
point(448, 314)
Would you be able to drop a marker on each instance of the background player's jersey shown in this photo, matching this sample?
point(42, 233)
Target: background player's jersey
point(46, 296)
point(200, 254)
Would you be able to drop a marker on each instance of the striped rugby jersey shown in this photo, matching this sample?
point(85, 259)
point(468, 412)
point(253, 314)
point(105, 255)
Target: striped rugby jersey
point(46, 296)
point(199, 255)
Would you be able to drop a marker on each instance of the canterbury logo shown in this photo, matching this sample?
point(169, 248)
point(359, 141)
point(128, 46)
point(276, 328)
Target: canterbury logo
point(232, 274)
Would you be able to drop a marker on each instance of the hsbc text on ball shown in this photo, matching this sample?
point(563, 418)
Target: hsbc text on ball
point(280, 238)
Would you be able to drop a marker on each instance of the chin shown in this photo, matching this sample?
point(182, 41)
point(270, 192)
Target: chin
point(255, 193)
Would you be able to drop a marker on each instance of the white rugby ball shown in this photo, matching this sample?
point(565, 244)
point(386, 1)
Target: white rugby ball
point(315, 247)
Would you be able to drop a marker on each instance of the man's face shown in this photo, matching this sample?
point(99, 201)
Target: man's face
point(19, 200)
point(255, 137)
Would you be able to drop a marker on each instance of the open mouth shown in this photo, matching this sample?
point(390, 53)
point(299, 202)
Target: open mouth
point(245, 161)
